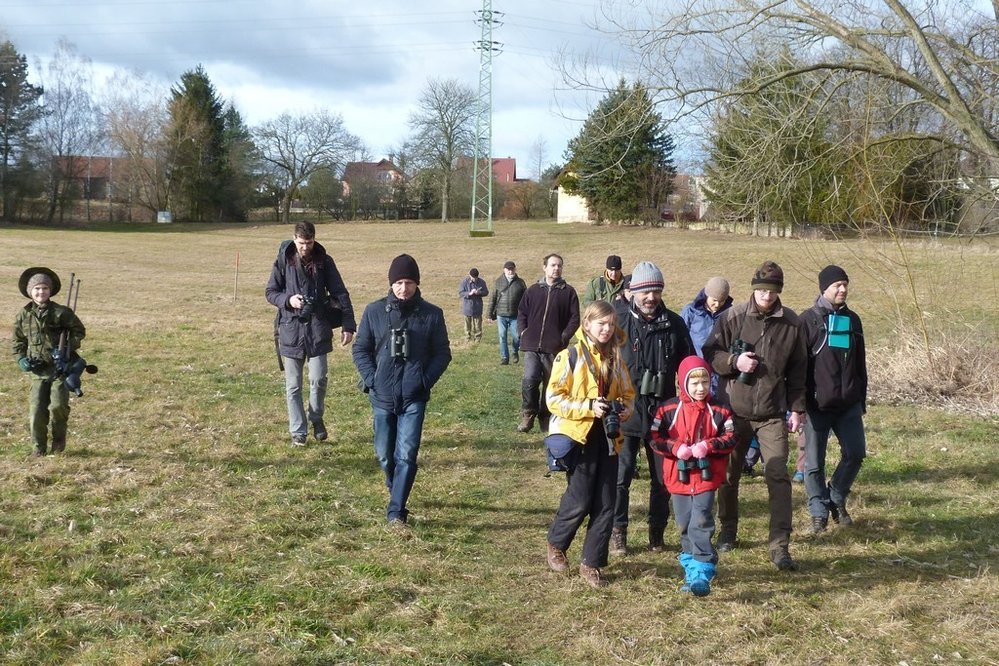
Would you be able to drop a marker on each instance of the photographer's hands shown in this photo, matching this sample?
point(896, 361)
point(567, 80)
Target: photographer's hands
point(296, 301)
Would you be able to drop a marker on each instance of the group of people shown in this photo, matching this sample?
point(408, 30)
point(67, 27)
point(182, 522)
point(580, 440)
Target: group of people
point(627, 374)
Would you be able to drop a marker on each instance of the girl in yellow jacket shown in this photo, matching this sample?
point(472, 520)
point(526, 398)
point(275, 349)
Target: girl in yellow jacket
point(588, 384)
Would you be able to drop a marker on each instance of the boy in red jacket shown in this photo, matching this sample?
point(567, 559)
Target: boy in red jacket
point(695, 436)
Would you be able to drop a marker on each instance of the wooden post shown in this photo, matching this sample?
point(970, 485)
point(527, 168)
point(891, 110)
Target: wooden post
point(235, 284)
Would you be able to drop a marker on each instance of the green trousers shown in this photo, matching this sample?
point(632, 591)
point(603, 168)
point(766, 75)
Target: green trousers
point(49, 403)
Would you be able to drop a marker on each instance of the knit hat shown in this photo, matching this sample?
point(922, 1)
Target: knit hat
point(613, 263)
point(717, 288)
point(769, 276)
point(831, 274)
point(404, 268)
point(646, 277)
point(512, 266)
point(38, 275)
point(474, 272)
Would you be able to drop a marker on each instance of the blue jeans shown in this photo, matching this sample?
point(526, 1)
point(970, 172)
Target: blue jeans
point(849, 428)
point(397, 444)
point(293, 368)
point(504, 324)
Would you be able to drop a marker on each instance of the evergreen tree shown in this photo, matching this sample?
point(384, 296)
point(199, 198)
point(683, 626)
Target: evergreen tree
point(20, 109)
point(622, 159)
point(196, 148)
point(240, 166)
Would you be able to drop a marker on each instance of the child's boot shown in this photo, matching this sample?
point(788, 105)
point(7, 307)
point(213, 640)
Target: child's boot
point(700, 583)
point(686, 560)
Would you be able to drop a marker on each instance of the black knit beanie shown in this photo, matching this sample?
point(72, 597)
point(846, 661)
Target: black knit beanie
point(404, 268)
point(830, 274)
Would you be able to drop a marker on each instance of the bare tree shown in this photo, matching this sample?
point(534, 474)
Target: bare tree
point(943, 52)
point(444, 131)
point(296, 146)
point(69, 129)
point(135, 115)
point(539, 154)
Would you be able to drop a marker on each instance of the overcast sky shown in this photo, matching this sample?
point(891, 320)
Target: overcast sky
point(367, 61)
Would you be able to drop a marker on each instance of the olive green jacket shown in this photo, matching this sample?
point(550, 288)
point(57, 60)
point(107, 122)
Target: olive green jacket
point(37, 331)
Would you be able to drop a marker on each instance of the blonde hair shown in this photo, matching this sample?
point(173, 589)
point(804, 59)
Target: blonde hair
point(698, 373)
point(597, 310)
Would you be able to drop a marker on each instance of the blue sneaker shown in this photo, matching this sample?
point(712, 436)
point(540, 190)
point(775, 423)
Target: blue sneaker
point(700, 587)
point(799, 477)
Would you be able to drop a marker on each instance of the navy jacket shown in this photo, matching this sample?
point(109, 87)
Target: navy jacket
point(298, 339)
point(394, 383)
point(471, 304)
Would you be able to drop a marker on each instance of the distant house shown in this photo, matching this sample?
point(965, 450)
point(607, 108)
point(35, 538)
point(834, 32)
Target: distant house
point(687, 202)
point(95, 177)
point(571, 207)
point(383, 172)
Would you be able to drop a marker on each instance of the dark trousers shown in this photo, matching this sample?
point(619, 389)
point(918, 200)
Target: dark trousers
point(849, 428)
point(772, 436)
point(537, 371)
point(658, 495)
point(590, 493)
point(694, 516)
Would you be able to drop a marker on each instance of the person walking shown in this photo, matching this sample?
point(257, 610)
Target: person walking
point(401, 352)
point(836, 398)
point(656, 341)
point(471, 290)
point(503, 304)
point(547, 317)
point(758, 349)
point(311, 300)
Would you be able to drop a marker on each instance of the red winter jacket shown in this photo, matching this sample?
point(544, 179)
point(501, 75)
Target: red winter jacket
point(683, 421)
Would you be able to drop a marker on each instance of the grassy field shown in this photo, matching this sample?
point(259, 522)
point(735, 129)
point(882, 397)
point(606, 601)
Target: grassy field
point(180, 527)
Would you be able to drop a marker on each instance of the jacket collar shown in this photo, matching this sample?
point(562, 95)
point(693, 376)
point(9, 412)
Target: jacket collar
point(559, 283)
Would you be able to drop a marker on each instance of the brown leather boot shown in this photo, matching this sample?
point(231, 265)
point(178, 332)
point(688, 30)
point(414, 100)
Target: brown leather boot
point(592, 576)
point(557, 559)
point(58, 445)
point(526, 422)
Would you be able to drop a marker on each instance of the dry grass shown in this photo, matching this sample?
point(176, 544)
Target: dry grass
point(180, 527)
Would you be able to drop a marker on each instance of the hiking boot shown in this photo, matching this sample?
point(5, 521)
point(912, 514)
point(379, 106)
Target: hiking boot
point(504, 361)
point(782, 560)
point(298, 440)
point(592, 576)
point(58, 445)
point(526, 422)
point(557, 559)
point(819, 524)
point(725, 543)
point(619, 541)
point(37, 452)
point(516, 357)
point(319, 430)
point(838, 512)
point(400, 528)
point(656, 544)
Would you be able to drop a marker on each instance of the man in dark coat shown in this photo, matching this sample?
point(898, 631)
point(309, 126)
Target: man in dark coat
point(548, 317)
point(470, 291)
point(401, 350)
point(657, 341)
point(836, 397)
point(503, 304)
point(306, 288)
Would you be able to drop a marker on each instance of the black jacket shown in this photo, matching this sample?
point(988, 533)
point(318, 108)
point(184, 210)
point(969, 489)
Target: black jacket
point(332, 307)
point(658, 345)
point(548, 317)
point(506, 296)
point(393, 383)
point(837, 378)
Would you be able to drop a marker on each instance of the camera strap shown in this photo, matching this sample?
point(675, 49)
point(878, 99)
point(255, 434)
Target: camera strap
point(603, 384)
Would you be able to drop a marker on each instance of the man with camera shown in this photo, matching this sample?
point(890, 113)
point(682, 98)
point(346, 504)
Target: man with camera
point(312, 300)
point(401, 350)
point(758, 349)
point(547, 318)
point(657, 340)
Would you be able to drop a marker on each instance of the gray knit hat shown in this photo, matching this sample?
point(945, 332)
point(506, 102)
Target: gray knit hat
point(717, 288)
point(646, 277)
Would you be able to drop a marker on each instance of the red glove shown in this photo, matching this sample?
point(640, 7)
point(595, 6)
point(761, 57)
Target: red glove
point(700, 450)
point(683, 452)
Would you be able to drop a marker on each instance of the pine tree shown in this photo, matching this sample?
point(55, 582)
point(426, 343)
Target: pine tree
point(622, 159)
point(20, 109)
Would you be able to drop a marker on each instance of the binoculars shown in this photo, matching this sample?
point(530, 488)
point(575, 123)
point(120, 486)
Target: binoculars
point(308, 309)
point(740, 347)
point(399, 343)
point(684, 467)
point(612, 419)
point(654, 383)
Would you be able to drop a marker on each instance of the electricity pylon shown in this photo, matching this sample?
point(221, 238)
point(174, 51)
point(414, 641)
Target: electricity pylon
point(482, 163)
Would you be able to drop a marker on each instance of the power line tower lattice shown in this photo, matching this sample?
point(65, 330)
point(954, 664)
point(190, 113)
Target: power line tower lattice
point(482, 162)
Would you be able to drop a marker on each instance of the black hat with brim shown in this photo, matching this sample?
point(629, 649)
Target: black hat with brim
point(22, 284)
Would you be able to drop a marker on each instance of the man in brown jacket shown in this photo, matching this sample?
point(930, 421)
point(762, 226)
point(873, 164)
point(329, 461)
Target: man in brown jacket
point(758, 350)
